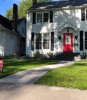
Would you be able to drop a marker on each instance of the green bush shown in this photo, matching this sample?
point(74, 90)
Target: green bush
point(39, 56)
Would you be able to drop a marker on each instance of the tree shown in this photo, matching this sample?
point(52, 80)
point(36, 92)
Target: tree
point(23, 7)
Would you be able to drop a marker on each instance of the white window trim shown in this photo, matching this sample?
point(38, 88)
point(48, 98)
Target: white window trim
point(49, 40)
point(43, 17)
point(42, 42)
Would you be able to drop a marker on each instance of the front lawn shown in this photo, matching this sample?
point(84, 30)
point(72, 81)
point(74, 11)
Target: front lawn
point(74, 76)
point(14, 65)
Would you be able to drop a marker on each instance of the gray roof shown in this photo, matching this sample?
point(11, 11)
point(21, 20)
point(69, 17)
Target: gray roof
point(58, 4)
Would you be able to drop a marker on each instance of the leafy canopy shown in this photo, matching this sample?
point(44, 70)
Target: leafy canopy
point(23, 7)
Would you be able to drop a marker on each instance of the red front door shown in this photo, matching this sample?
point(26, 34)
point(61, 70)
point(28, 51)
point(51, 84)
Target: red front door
point(68, 42)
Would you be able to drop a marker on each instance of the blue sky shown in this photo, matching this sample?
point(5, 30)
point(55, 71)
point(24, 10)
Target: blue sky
point(6, 4)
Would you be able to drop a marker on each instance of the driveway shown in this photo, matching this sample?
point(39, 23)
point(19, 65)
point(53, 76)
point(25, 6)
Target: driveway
point(34, 92)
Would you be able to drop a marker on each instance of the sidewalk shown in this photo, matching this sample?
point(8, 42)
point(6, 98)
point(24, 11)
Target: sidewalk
point(32, 75)
point(35, 92)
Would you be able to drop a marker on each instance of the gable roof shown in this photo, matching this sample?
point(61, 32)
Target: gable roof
point(58, 4)
point(5, 22)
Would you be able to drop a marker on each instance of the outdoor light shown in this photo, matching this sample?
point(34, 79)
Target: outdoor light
point(59, 37)
point(76, 37)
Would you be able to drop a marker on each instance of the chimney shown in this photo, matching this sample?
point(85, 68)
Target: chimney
point(34, 2)
point(15, 16)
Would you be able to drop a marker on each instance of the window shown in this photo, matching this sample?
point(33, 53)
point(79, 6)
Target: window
point(45, 17)
point(39, 17)
point(38, 41)
point(85, 40)
point(42, 17)
point(68, 39)
point(46, 41)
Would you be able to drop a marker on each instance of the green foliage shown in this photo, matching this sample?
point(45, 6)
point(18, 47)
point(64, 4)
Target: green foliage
point(9, 13)
point(23, 7)
point(39, 56)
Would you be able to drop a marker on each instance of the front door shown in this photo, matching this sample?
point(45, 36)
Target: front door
point(68, 42)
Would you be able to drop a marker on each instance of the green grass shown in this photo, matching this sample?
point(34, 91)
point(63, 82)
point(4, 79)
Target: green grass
point(14, 65)
point(74, 76)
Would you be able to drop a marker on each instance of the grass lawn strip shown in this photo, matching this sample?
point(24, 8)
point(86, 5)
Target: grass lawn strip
point(74, 76)
point(12, 66)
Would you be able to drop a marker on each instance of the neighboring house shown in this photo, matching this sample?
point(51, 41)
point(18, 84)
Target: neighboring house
point(9, 39)
point(57, 27)
point(12, 35)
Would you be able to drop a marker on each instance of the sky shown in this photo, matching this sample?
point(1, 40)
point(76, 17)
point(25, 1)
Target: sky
point(7, 4)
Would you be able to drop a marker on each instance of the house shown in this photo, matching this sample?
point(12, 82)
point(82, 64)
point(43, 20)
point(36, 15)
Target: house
point(57, 27)
point(12, 35)
point(9, 39)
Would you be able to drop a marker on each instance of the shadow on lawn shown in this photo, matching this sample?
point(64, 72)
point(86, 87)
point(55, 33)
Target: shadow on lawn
point(28, 62)
point(14, 65)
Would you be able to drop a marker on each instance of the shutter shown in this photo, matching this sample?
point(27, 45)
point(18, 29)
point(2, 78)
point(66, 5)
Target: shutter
point(83, 14)
point(34, 18)
point(81, 40)
point(52, 41)
point(51, 16)
point(32, 41)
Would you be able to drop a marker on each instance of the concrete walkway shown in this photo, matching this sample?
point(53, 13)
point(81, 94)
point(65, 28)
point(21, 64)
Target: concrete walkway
point(32, 75)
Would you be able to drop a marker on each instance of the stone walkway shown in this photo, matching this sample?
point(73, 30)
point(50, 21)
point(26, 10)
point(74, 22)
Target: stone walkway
point(32, 75)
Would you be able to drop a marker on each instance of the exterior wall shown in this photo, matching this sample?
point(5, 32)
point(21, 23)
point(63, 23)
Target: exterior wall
point(9, 43)
point(22, 28)
point(60, 20)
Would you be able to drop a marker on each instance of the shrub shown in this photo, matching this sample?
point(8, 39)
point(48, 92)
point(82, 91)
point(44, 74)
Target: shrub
point(39, 56)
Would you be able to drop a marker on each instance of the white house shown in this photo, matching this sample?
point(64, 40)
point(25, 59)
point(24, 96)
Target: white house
point(9, 39)
point(57, 27)
point(12, 35)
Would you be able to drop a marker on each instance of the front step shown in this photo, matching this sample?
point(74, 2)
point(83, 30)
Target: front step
point(68, 56)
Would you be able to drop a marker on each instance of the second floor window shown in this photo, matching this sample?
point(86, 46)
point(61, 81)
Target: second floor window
point(42, 17)
point(45, 17)
point(39, 17)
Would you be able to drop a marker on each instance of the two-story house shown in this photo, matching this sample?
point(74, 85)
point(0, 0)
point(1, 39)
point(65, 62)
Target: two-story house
point(57, 27)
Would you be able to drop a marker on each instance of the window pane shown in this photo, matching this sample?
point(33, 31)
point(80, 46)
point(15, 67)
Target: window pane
point(38, 41)
point(45, 17)
point(39, 17)
point(46, 41)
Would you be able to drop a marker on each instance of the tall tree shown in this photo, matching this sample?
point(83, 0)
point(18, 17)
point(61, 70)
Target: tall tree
point(23, 7)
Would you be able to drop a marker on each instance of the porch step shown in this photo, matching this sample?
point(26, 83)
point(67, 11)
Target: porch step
point(68, 56)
